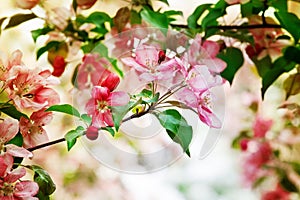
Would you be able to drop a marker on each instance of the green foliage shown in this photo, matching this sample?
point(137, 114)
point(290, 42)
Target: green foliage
point(194, 17)
point(10, 110)
point(263, 65)
point(290, 22)
point(280, 5)
point(110, 130)
point(43, 179)
point(99, 19)
point(292, 53)
point(164, 1)
point(292, 85)
point(38, 32)
point(176, 127)
point(72, 135)
point(156, 19)
point(48, 46)
point(17, 140)
point(135, 17)
point(243, 36)
point(287, 184)
point(19, 19)
point(103, 51)
point(119, 112)
point(65, 108)
point(280, 66)
point(234, 59)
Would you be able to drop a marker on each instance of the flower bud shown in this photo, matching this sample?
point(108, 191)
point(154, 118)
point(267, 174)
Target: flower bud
point(26, 4)
point(92, 133)
point(85, 4)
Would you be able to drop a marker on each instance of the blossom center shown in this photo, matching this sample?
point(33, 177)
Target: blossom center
point(7, 189)
point(102, 106)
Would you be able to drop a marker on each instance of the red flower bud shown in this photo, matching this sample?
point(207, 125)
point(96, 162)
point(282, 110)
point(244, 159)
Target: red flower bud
point(92, 133)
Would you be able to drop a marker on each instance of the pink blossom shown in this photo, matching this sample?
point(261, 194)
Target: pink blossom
point(255, 161)
point(6, 63)
point(93, 69)
point(11, 187)
point(205, 54)
point(32, 129)
point(8, 130)
point(85, 4)
point(147, 64)
point(98, 105)
point(277, 194)
point(200, 101)
point(200, 79)
point(27, 4)
point(231, 2)
point(261, 126)
point(28, 88)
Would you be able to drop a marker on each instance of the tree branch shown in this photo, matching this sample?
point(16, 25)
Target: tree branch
point(46, 144)
point(230, 27)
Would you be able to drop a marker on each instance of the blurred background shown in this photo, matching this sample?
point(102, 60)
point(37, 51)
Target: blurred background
point(78, 175)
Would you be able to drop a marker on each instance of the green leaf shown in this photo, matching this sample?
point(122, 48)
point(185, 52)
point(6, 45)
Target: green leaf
point(38, 32)
point(135, 17)
point(65, 108)
point(247, 9)
point(74, 76)
point(211, 17)
point(233, 65)
point(280, 66)
point(287, 184)
point(263, 65)
point(109, 129)
point(280, 5)
point(99, 18)
point(72, 135)
point(156, 19)
point(176, 127)
point(119, 112)
point(290, 22)
point(292, 53)
point(292, 85)
point(17, 140)
point(11, 111)
point(86, 118)
point(295, 166)
point(52, 44)
point(194, 17)
point(259, 181)
point(19, 19)
point(43, 179)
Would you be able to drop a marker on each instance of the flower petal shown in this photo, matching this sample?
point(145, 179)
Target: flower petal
point(146, 55)
point(15, 175)
point(8, 129)
point(25, 189)
point(18, 151)
point(118, 98)
point(132, 63)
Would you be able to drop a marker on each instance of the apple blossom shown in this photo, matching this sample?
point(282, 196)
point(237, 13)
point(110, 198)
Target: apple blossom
point(205, 54)
point(99, 105)
point(200, 101)
point(146, 63)
point(11, 187)
point(28, 88)
point(27, 4)
point(261, 126)
point(8, 130)
point(32, 130)
point(92, 70)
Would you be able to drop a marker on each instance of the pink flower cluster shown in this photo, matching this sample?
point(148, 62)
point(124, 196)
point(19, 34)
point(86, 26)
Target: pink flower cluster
point(94, 73)
point(10, 185)
point(30, 91)
point(195, 73)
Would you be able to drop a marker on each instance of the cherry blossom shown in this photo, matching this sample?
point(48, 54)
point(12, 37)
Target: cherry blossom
point(93, 69)
point(200, 78)
point(261, 126)
point(10, 185)
point(205, 54)
point(200, 101)
point(26, 4)
point(6, 63)
point(8, 130)
point(32, 129)
point(85, 4)
point(146, 63)
point(98, 105)
point(278, 193)
point(28, 88)
point(59, 65)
